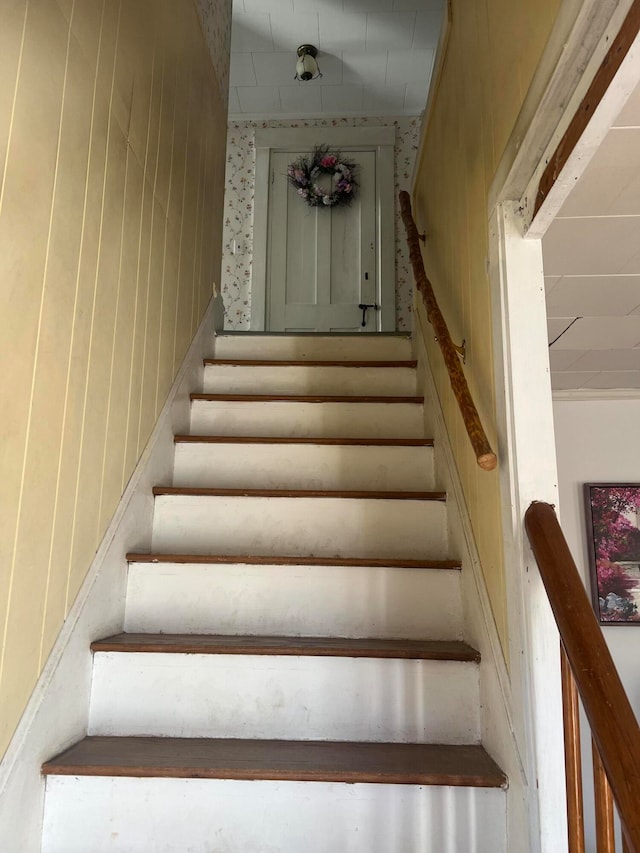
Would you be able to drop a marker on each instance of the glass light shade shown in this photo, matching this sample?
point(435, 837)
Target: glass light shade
point(306, 66)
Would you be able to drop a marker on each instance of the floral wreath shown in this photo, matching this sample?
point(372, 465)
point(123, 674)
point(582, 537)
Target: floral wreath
point(303, 175)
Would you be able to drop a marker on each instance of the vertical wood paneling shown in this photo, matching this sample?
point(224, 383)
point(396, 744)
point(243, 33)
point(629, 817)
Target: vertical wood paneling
point(197, 244)
point(207, 214)
point(152, 327)
point(112, 134)
point(27, 579)
point(89, 372)
point(494, 48)
point(105, 305)
point(188, 220)
point(65, 252)
point(164, 357)
point(148, 266)
point(13, 21)
point(38, 511)
point(139, 140)
point(123, 338)
point(111, 459)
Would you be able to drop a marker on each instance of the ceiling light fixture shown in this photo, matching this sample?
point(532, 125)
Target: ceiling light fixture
point(306, 66)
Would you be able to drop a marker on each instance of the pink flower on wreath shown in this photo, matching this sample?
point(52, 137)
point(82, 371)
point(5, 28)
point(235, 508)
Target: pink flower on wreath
point(328, 161)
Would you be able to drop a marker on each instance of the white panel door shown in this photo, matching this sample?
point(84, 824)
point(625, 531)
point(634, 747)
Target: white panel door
point(321, 261)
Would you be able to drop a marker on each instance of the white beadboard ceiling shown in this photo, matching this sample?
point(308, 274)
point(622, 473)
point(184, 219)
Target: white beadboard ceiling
point(376, 57)
point(592, 268)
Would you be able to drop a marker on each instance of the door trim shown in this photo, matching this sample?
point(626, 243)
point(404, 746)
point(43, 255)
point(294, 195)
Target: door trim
point(381, 140)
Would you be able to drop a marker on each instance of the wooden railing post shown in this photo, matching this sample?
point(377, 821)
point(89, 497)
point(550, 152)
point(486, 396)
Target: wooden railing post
point(572, 756)
point(485, 456)
point(605, 833)
point(614, 727)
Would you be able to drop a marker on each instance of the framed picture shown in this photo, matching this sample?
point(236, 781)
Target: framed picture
point(613, 530)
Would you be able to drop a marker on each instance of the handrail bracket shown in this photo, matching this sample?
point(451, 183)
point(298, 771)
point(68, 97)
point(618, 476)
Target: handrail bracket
point(462, 350)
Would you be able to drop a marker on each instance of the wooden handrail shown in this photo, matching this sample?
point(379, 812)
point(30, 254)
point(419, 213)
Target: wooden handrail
point(485, 456)
point(614, 728)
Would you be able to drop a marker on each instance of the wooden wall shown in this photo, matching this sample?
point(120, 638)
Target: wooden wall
point(112, 143)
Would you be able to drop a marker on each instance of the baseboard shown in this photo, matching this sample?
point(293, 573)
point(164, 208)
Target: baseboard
point(57, 713)
point(479, 624)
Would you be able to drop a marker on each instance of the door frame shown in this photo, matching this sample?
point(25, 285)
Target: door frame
point(380, 140)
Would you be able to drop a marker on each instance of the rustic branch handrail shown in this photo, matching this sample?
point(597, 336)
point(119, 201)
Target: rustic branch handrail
point(485, 456)
point(614, 728)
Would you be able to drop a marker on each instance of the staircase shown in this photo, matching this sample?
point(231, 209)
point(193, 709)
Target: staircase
point(293, 675)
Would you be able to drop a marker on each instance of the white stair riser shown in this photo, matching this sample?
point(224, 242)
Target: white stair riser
point(311, 601)
point(324, 420)
point(284, 698)
point(343, 527)
point(122, 815)
point(313, 347)
point(303, 466)
point(240, 379)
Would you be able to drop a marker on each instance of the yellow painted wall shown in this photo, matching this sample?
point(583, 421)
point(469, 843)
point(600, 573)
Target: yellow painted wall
point(112, 138)
point(493, 50)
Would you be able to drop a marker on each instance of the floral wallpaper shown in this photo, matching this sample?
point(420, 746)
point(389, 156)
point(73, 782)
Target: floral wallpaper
point(238, 213)
point(216, 24)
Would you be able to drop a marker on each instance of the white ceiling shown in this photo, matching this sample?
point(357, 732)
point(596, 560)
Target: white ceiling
point(376, 57)
point(592, 267)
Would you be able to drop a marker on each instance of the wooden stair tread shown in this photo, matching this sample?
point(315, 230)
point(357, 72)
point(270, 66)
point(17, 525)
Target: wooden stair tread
point(321, 761)
point(199, 491)
point(441, 650)
point(231, 362)
point(301, 398)
point(262, 560)
point(258, 439)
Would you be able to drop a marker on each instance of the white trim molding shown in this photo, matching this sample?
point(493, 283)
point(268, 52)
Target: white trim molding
point(604, 115)
point(57, 713)
point(578, 43)
point(345, 138)
point(527, 464)
point(381, 140)
point(577, 394)
point(315, 115)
